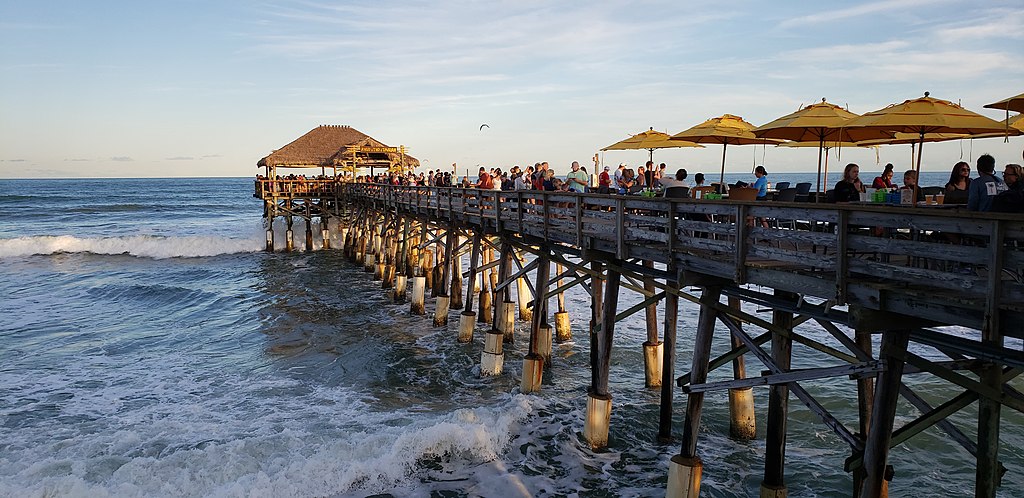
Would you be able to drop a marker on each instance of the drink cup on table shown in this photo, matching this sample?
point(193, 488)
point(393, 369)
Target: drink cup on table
point(929, 199)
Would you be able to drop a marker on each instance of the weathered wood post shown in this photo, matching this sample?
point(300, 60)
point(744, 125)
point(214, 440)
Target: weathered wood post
point(883, 413)
point(604, 306)
point(653, 350)
point(455, 293)
point(533, 363)
point(669, 358)
point(523, 295)
point(289, 240)
point(563, 329)
point(443, 299)
point(485, 294)
point(419, 290)
point(325, 229)
point(865, 400)
point(684, 471)
point(467, 320)
point(742, 416)
point(309, 230)
point(505, 316)
point(773, 485)
point(270, 208)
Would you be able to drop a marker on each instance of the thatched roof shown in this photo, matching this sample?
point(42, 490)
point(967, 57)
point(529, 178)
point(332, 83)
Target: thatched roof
point(328, 146)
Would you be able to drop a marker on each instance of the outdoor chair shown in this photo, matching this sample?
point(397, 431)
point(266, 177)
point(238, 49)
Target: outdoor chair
point(803, 190)
point(700, 192)
point(781, 185)
point(931, 190)
point(677, 192)
point(787, 194)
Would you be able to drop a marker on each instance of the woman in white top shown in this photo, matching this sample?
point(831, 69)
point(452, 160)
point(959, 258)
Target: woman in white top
point(678, 181)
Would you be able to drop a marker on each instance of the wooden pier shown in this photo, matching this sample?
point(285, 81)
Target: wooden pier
point(902, 273)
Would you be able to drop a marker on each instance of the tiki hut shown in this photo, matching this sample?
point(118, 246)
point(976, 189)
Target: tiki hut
point(338, 147)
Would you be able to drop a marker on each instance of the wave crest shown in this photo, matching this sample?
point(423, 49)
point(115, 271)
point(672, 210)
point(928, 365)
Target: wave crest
point(147, 246)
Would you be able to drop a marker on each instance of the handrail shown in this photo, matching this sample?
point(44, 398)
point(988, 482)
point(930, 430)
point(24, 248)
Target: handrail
point(799, 245)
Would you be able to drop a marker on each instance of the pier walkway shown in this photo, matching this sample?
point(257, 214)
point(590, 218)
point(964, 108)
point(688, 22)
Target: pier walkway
point(902, 273)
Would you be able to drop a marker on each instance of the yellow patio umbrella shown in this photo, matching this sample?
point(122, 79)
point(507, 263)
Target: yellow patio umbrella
point(913, 139)
point(1009, 104)
point(1014, 125)
point(726, 130)
point(650, 140)
point(819, 123)
point(921, 117)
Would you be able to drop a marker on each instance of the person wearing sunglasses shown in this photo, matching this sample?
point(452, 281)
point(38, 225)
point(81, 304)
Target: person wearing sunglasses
point(1012, 200)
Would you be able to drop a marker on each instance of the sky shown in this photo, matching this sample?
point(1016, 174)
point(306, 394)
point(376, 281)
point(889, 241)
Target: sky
point(208, 87)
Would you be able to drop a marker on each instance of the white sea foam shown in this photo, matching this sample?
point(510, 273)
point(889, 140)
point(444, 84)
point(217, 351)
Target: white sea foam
point(178, 431)
point(148, 246)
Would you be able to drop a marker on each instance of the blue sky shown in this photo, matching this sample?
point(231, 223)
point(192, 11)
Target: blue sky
point(207, 88)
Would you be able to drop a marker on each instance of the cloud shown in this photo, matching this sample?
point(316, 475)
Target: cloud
point(997, 23)
point(19, 160)
point(121, 159)
point(180, 158)
point(77, 159)
point(211, 155)
point(830, 16)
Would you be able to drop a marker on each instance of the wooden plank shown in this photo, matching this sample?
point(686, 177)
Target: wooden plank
point(871, 367)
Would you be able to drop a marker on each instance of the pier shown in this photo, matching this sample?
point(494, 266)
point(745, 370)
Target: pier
point(898, 275)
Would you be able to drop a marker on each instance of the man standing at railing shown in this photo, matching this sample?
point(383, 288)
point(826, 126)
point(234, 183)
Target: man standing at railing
point(577, 179)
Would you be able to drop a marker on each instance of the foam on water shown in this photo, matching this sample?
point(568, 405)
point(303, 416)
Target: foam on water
point(177, 430)
point(148, 246)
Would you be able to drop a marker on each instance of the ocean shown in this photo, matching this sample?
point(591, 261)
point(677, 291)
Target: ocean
point(149, 347)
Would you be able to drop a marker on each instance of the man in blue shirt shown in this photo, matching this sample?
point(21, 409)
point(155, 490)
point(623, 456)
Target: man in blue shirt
point(986, 187)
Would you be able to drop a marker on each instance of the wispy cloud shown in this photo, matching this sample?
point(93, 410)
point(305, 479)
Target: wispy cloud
point(829, 16)
point(180, 158)
point(77, 159)
point(124, 159)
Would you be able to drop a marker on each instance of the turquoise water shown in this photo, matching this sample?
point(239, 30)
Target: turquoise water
point(148, 347)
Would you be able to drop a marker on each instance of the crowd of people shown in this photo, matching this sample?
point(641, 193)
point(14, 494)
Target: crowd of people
point(985, 192)
point(541, 176)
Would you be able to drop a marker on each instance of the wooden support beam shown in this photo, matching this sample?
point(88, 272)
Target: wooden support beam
point(883, 413)
point(604, 335)
point(865, 368)
point(699, 369)
point(668, 365)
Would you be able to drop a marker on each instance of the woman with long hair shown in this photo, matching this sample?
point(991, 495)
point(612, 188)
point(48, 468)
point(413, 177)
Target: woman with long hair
point(959, 181)
point(849, 188)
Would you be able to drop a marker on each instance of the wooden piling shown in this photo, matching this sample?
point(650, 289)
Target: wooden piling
point(774, 480)
point(668, 359)
point(742, 416)
point(883, 413)
point(419, 288)
point(533, 364)
point(653, 350)
point(599, 399)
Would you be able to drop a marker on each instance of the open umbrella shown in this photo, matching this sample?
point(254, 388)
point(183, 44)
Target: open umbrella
point(726, 130)
point(1009, 104)
point(922, 116)
point(650, 140)
point(819, 123)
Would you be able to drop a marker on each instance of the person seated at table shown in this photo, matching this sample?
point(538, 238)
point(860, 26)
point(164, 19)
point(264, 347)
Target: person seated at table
point(910, 181)
point(627, 182)
point(849, 188)
point(959, 182)
point(761, 184)
point(1012, 200)
point(885, 179)
point(641, 178)
point(698, 180)
point(678, 181)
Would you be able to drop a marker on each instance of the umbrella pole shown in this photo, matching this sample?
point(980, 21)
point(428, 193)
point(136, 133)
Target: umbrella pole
point(721, 177)
point(826, 169)
point(821, 145)
point(917, 184)
point(650, 155)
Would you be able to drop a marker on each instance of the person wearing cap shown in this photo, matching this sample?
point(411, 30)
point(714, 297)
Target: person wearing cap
point(576, 179)
point(604, 181)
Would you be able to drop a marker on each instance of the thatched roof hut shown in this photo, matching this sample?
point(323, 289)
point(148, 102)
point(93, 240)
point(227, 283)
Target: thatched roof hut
point(341, 147)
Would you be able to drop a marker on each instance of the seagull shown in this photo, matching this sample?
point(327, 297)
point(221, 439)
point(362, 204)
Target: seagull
point(483, 125)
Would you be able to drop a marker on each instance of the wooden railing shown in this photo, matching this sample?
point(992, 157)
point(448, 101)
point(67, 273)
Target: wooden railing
point(949, 265)
point(295, 188)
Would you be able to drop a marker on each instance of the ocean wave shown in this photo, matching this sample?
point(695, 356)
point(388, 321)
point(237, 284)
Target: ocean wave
point(146, 246)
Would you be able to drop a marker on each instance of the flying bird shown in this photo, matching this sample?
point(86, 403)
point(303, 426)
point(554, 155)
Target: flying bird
point(483, 125)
